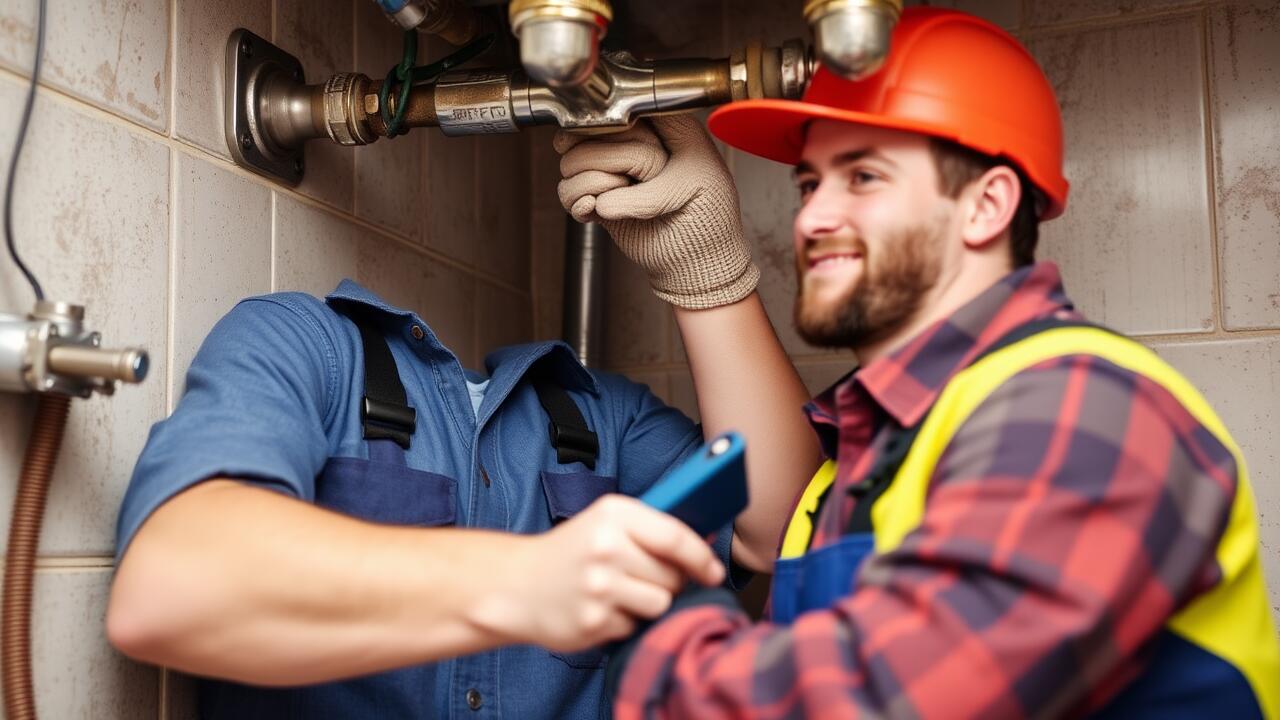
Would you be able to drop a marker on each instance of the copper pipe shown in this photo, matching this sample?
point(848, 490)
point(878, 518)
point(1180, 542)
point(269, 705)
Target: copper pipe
point(19, 568)
point(421, 110)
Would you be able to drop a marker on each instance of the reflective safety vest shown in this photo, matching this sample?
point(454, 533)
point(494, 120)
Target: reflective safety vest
point(1219, 656)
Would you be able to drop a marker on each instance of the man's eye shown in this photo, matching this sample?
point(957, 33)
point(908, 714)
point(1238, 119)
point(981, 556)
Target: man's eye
point(862, 177)
point(806, 187)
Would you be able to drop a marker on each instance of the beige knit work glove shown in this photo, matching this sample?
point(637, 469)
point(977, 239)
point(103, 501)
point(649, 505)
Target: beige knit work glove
point(669, 203)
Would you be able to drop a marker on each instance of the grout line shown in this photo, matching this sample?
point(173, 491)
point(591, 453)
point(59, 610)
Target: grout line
point(1220, 335)
point(56, 563)
point(534, 304)
point(162, 687)
point(275, 245)
point(1211, 169)
point(429, 253)
point(171, 302)
point(172, 59)
point(1115, 21)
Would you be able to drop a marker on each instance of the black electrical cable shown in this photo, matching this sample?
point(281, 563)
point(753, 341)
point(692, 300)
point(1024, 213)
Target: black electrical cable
point(17, 152)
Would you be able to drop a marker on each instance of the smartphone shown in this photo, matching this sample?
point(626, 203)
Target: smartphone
point(709, 489)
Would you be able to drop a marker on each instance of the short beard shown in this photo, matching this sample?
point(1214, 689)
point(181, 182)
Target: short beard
point(890, 291)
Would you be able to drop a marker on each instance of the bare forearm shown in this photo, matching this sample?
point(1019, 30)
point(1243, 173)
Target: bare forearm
point(746, 382)
point(233, 581)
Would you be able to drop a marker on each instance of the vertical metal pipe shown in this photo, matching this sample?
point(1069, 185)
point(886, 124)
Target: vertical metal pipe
point(585, 256)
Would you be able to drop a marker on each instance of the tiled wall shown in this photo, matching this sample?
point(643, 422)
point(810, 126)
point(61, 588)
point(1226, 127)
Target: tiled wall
point(1173, 230)
point(128, 203)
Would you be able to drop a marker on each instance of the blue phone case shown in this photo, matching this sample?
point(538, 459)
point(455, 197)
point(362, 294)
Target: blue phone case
point(709, 489)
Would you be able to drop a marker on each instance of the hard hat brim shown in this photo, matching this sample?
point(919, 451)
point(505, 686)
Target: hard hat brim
point(775, 130)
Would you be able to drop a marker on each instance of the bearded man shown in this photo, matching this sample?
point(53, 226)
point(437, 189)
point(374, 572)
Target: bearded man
point(1022, 514)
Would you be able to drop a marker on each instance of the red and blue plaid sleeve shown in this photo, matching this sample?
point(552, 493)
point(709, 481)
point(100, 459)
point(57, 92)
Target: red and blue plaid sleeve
point(1073, 512)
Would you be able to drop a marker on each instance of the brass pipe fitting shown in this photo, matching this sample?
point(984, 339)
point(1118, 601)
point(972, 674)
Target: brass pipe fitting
point(852, 35)
point(560, 39)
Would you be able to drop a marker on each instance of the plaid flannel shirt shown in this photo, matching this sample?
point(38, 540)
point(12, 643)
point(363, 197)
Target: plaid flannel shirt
point(1072, 514)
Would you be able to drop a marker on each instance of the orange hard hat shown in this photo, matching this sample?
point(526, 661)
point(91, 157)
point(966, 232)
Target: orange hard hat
point(949, 75)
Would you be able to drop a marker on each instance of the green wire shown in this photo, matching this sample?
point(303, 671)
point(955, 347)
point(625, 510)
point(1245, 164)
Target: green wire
point(407, 76)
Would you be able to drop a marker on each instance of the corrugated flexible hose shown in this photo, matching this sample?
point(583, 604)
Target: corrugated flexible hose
point(19, 567)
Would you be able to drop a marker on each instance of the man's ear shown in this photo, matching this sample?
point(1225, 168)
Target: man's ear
point(991, 202)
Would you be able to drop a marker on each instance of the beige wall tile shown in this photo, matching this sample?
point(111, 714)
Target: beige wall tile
point(1246, 102)
point(76, 673)
point(681, 394)
point(452, 304)
point(1241, 380)
point(819, 376)
point(769, 206)
point(656, 382)
point(1134, 244)
point(319, 33)
point(502, 201)
point(444, 296)
point(199, 65)
point(112, 54)
point(502, 318)
point(694, 28)
point(314, 249)
point(544, 170)
point(548, 249)
point(635, 328)
point(451, 196)
point(390, 174)
point(180, 696)
point(95, 234)
point(771, 22)
point(222, 250)
point(1005, 13)
point(1045, 12)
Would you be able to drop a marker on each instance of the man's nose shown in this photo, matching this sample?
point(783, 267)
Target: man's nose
point(821, 215)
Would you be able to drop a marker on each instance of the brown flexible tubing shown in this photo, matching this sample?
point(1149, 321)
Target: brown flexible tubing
point(19, 566)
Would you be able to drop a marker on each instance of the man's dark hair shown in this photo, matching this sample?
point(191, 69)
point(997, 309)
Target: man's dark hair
point(958, 166)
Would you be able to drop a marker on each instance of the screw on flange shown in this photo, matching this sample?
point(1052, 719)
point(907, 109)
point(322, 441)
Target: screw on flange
point(297, 74)
point(297, 166)
point(246, 141)
point(246, 47)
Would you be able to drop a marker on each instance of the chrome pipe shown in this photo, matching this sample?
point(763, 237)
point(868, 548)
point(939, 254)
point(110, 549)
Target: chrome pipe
point(585, 261)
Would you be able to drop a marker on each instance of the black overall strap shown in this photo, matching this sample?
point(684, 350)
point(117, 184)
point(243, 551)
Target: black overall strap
point(385, 411)
point(899, 442)
point(570, 436)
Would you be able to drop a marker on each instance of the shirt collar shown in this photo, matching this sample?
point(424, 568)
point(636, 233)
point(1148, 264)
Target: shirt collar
point(907, 381)
point(510, 362)
point(350, 291)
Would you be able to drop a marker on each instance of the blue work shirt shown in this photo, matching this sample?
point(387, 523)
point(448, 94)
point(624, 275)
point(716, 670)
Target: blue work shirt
point(273, 397)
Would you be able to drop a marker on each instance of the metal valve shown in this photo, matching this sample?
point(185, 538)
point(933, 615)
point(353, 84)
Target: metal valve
point(50, 351)
point(272, 113)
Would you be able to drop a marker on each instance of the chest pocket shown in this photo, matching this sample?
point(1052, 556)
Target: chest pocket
point(387, 492)
point(570, 493)
point(384, 488)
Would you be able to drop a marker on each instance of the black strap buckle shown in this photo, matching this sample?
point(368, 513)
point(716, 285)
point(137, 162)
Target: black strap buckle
point(387, 421)
point(574, 444)
point(573, 440)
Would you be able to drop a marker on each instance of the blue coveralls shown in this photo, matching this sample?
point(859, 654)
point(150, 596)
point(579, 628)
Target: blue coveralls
point(274, 397)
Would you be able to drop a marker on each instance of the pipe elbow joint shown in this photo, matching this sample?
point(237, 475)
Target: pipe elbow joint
point(560, 39)
point(852, 36)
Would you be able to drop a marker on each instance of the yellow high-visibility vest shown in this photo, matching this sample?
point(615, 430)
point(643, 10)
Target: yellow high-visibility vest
point(1231, 622)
